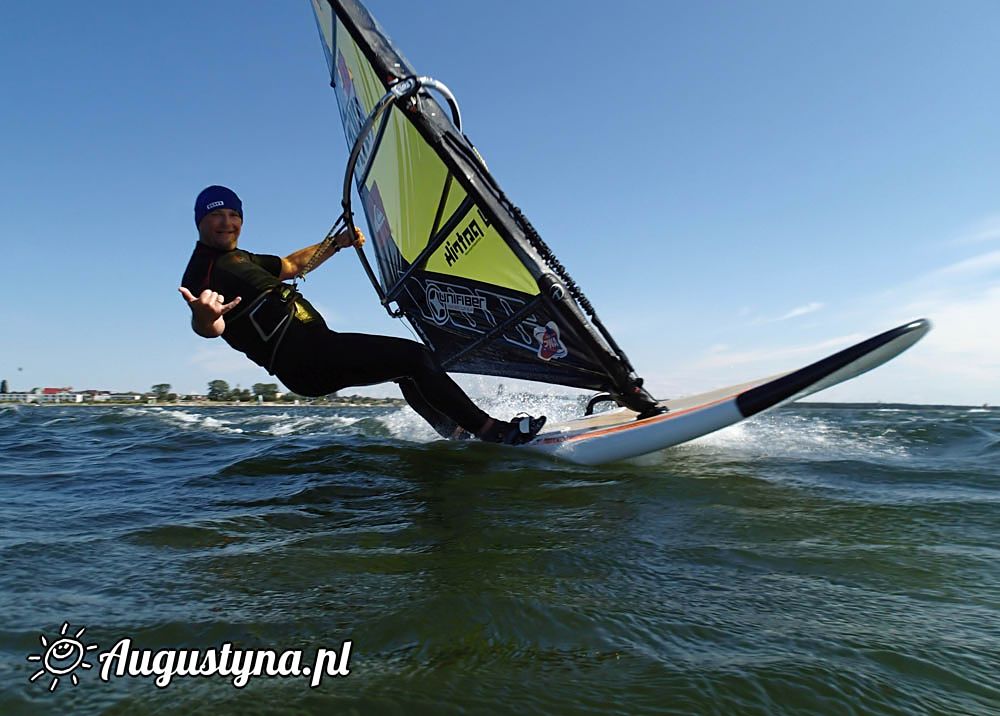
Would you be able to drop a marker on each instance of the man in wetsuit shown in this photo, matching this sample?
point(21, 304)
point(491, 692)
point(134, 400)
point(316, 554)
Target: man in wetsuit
point(278, 329)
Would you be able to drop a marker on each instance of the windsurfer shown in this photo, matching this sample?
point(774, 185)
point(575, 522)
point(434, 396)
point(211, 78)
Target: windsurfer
point(277, 328)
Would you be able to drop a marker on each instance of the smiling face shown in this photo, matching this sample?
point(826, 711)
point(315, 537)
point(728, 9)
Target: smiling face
point(220, 229)
point(63, 656)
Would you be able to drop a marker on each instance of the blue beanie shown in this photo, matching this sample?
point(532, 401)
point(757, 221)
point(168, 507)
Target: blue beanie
point(216, 197)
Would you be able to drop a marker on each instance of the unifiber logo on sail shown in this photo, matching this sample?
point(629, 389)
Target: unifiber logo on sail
point(443, 302)
point(465, 239)
point(462, 303)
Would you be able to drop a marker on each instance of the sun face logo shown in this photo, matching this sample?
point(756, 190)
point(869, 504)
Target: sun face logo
point(62, 657)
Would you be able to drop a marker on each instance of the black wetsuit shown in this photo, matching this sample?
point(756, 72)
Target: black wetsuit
point(313, 360)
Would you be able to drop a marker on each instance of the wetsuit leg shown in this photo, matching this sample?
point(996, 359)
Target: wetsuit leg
point(445, 426)
point(322, 362)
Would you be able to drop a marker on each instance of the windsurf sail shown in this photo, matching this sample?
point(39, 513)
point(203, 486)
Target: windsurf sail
point(455, 257)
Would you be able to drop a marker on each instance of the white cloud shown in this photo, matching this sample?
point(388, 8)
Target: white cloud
point(772, 358)
point(968, 328)
point(986, 230)
point(959, 360)
point(801, 311)
point(793, 313)
point(983, 263)
point(957, 363)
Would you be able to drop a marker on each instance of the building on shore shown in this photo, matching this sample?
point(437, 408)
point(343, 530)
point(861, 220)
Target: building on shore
point(43, 395)
point(68, 395)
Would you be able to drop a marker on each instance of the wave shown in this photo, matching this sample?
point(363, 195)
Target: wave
point(785, 434)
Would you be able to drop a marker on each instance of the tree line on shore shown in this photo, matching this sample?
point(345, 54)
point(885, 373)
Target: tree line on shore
point(219, 390)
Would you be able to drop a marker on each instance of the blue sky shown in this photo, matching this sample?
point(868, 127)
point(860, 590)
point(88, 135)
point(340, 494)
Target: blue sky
point(740, 188)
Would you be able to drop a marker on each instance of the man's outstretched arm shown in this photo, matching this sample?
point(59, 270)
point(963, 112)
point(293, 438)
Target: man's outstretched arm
point(207, 311)
point(295, 263)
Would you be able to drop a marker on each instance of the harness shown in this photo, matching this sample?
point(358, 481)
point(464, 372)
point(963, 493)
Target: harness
point(270, 314)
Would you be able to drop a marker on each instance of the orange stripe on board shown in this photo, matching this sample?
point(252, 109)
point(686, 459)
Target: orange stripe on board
point(634, 424)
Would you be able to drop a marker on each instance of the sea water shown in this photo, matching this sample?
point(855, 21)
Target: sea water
point(819, 559)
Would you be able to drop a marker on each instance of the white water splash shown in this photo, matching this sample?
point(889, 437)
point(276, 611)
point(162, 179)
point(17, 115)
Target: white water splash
point(55, 421)
point(288, 425)
point(185, 418)
point(783, 434)
point(249, 421)
point(406, 424)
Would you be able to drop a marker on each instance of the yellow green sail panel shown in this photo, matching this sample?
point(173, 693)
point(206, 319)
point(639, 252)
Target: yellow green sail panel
point(454, 256)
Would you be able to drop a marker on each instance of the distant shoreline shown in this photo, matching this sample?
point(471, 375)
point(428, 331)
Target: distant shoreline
point(363, 402)
point(376, 403)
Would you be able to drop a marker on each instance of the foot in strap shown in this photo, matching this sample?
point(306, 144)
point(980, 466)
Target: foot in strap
point(652, 411)
point(522, 429)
